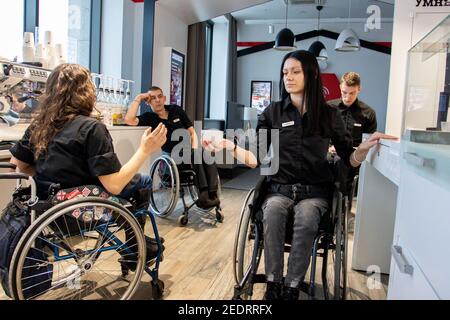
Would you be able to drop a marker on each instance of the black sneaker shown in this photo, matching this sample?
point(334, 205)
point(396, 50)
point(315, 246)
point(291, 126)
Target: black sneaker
point(290, 293)
point(273, 291)
point(151, 253)
point(152, 248)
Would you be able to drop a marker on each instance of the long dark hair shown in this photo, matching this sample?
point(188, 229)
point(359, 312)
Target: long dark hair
point(313, 92)
point(69, 93)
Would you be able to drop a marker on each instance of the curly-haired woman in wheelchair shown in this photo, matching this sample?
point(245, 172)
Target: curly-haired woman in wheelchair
point(66, 146)
point(306, 126)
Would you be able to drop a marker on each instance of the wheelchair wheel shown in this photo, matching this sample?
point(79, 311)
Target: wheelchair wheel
point(166, 186)
point(157, 289)
point(245, 244)
point(77, 251)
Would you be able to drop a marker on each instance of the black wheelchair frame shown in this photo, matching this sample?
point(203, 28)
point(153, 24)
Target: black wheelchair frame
point(332, 236)
point(182, 177)
point(43, 211)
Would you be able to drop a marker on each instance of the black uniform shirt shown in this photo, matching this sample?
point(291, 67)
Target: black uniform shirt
point(177, 119)
point(76, 156)
point(359, 118)
point(302, 157)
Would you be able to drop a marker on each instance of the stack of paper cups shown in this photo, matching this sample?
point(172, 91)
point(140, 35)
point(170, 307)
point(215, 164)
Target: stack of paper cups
point(52, 56)
point(28, 47)
point(60, 53)
point(41, 55)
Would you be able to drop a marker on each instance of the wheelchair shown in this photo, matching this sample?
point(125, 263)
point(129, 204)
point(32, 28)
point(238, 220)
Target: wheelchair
point(171, 182)
point(80, 244)
point(329, 243)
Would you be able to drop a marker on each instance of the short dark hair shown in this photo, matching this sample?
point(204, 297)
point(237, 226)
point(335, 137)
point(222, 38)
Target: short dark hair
point(155, 88)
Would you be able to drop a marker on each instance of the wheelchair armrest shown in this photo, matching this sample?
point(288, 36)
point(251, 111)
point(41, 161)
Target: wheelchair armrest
point(7, 165)
point(13, 176)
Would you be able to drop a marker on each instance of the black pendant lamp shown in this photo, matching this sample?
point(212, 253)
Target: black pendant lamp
point(285, 40)
point(318, 48)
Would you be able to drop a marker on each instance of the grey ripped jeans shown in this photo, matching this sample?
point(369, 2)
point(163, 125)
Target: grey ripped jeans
point(307, 215)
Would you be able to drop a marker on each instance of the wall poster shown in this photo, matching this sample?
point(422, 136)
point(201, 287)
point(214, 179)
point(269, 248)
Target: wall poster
point(177, 63)
point(261, 95)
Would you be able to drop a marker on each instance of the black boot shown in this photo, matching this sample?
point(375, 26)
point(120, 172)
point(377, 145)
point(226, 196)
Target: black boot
point(152, 248)
point(129, 259)
point(290, 293)
point(214, 198)
point(273, 291)
point(203, 201)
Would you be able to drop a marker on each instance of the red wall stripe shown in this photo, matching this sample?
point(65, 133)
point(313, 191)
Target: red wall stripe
point(386, 44)
point(249, 44)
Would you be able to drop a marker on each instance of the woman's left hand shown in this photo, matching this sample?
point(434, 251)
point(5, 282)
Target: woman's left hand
point(217, 146)
point(373, 140)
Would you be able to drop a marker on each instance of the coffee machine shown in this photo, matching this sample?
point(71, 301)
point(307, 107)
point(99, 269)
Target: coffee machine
point(20, 86)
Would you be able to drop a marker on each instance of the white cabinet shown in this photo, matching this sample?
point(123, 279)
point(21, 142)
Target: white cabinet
point(422, 224)
point(406, 280)
point(375, 210)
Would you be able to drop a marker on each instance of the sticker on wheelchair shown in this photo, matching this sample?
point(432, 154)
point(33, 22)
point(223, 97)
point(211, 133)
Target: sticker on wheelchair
point(82, 192)
point(93, 213)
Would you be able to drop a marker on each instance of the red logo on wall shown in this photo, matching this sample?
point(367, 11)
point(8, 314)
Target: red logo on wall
point(331, 88)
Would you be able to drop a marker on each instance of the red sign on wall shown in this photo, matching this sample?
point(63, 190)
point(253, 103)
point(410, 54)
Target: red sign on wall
point(331, 88)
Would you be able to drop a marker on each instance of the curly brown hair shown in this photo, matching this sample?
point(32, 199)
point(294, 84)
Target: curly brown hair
point(69, 93)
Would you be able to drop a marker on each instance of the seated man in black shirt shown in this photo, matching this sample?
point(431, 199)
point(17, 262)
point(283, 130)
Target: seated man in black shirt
point(174, 118)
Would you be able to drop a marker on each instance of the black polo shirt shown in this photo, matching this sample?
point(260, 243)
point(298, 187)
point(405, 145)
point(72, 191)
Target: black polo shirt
point(359, 118)
point(177, 119)
point(80, 153)
point(303, 157)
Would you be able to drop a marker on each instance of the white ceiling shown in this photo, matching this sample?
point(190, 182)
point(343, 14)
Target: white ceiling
point(276, 9)
point(193, 11)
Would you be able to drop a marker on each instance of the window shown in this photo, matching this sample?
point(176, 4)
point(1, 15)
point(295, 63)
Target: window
point(208, 59)
point(11, 29)
point(70, 23)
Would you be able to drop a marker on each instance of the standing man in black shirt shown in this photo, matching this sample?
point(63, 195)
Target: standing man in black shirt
point(306, 126)
point(358, 117)
point(174, 118)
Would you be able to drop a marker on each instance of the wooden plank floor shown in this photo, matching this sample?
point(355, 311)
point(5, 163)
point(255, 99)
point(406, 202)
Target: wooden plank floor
point(198, 258)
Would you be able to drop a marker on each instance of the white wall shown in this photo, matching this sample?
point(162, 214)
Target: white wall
point(122, 42)
point(219, 71)
point(137, 48)
point(112, 36)
point(371, 65)
point(122, 37)
point(265, 65)
point(171, 32)
point(411, 23)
